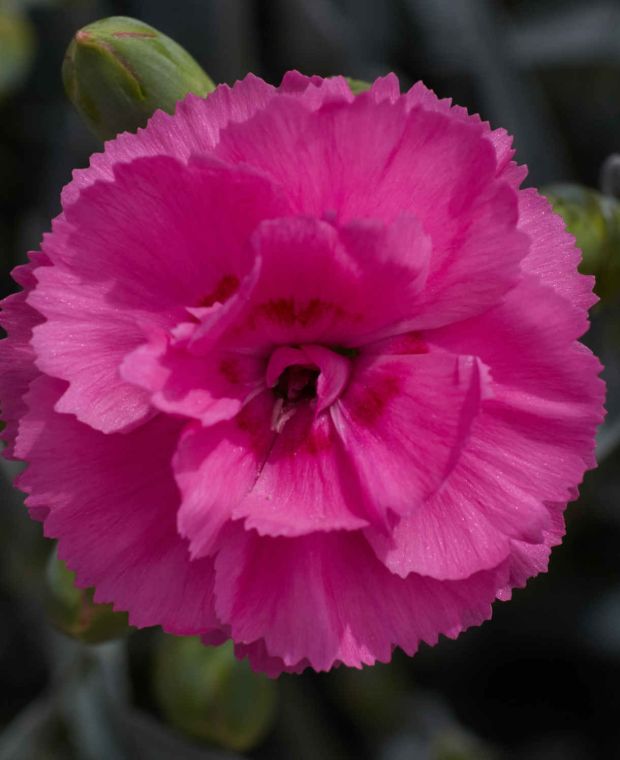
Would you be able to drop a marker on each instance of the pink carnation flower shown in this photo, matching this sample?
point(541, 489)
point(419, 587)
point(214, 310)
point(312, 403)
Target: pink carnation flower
point(300, 369)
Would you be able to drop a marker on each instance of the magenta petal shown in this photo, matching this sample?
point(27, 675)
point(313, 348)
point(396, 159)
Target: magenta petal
point(129, 256)
point(316, 281)
point(193, 130)
point(17, 367)
point(84, 340)
point(216, 467)
point(553, 255)
point(208, 388)
point(307, 483)
point(300, 369)
point(112, 506)
point(326, 599)
point(405, 420)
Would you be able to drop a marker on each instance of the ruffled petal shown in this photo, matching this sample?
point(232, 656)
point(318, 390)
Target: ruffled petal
point(316, 91)
point(193, 129)
point(325, 598)
point(404, 421)
point(216, 467)
point(306, 484)
point(208, 388)
point(17, 366)
point(112, 505)
point(421, 163)
point(317, 281)
point(129, 256)
point(527, 449)
point(553, 255)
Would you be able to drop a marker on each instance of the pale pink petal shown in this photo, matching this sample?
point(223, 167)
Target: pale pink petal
point(404, 421)
point(193, 130)
point(335, 373)
point(471, 275)
point(216, 467)
point(112, 505)
point(553, 367)
point(325, 598)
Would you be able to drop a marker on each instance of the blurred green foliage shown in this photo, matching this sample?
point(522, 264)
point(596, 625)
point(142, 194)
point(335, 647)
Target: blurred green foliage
point(209, 694)
point(73, 610)
point(17, 48)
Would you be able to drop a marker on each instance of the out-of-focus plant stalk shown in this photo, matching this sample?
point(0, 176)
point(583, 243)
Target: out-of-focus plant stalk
point(17, 47)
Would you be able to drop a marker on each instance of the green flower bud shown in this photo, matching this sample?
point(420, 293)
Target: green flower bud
point(16, 49)
point(73, 611)
point(118, 71)
point(358, 85)
point(594, 220)
point(209, 694)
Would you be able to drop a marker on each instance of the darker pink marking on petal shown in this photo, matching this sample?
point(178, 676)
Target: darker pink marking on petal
point(225, 288)
point(229, 367)
point(251, 421)
point(285, 311)
point(373, 400)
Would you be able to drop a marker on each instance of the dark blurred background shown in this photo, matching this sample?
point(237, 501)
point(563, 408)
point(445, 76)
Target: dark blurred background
point(539, 682)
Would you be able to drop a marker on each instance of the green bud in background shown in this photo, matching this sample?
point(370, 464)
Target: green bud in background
point(594, 220)
point(73, 611)
point(118, 71)
point(17, 43)
point(357, 85)
point(209, 694)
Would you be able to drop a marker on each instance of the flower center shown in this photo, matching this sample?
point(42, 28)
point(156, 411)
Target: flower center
point(297, 383)
point(305, 374)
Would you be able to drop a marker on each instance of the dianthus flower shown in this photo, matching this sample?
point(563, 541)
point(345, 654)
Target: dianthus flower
point(300, 369)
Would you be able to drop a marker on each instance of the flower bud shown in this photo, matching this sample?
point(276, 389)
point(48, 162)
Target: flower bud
point(73, 611)
point(209, 694)
point(594, 220)
point(118, 71)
